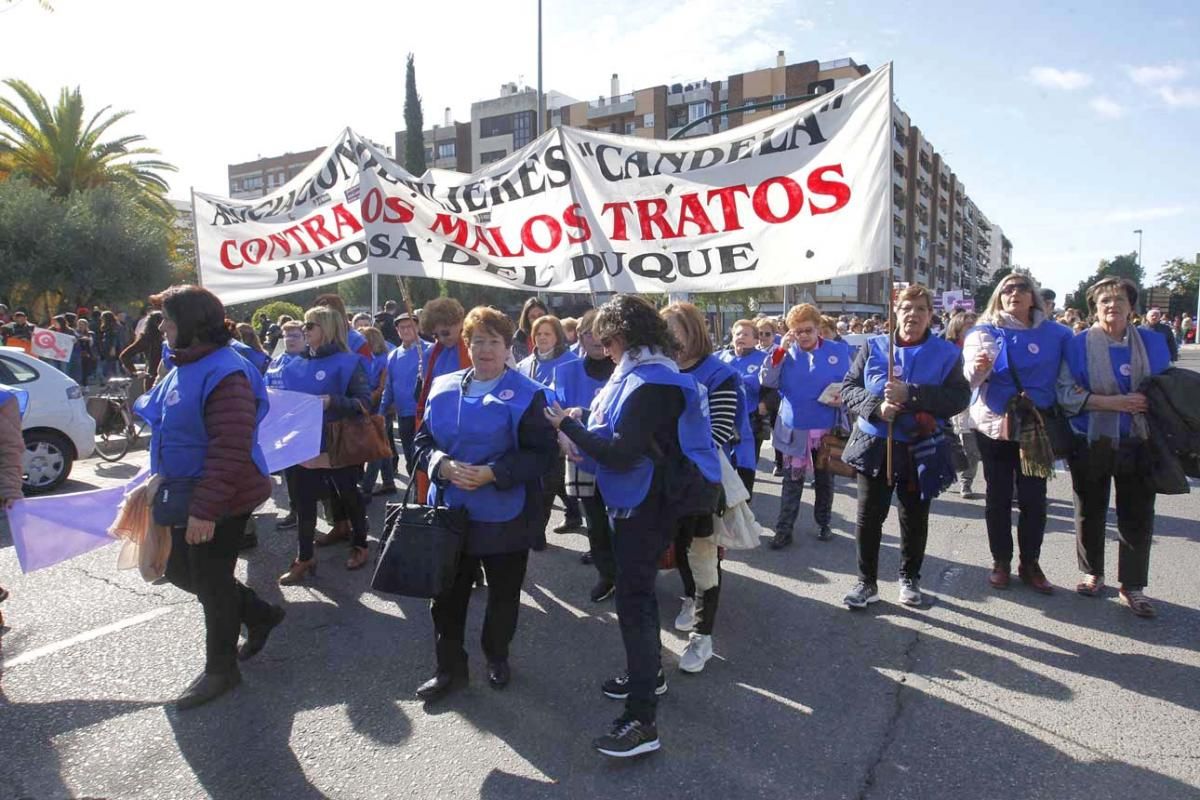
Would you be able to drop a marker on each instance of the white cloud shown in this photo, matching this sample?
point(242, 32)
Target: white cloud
point(1155, 75)
point(805, 24)
point(1183, 97)
point(1065, 79)
point(1145, 214)
point(1107, 107)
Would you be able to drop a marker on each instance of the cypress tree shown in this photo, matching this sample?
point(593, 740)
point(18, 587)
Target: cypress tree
point(414, 123)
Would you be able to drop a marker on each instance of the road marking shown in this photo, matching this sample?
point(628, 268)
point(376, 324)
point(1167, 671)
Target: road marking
point(575, 611)
point(792, 704)
point(86, 636)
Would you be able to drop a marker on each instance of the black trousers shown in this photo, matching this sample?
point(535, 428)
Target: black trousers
point(206, 570)
point(599, 537)
point(406, 428)
point(1002, 471)
point(341, 486)
point(874, 500)
point(505, 573)
point(1092, 479)
point(638, 543)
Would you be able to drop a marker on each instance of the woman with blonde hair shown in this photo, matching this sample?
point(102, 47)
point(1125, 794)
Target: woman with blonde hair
point(328, 369)
point(1012, 359)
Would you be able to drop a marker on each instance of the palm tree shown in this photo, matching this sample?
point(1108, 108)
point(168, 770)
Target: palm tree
point(53, 149)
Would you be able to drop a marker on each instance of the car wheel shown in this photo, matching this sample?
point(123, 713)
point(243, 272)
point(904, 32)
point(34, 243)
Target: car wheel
point(47, 461)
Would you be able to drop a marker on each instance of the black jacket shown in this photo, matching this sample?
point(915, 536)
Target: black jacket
point(1174, 424)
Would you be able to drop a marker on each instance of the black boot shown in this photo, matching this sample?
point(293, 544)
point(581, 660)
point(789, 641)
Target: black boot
point(256, 635)
point(441, 684)
point(207, 687)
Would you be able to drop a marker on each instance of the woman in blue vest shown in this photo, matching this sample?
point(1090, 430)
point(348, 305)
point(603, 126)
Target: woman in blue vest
point(377, 380)
point(400, 391)
point(485, 443)
point(292, 333)
point(522, 344)
point(648, 418)
point(328, 369)
point(1104, 369)
point(248, 346)
point(550, 350)
point(747, 361)
point(917, 393)
point(696, 551)
point(13, 403)
point(204, 418)
point(802, 368)
point(1015, 347)
point(576, 384)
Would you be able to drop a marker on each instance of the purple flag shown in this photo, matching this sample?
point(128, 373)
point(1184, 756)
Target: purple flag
point(49, 530)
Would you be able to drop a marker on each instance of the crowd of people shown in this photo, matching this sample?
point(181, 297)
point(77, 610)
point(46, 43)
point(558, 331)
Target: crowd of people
point(650, 433)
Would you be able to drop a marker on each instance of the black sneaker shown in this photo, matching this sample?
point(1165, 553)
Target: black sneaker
point(602, 591)
point(825, 533)
point(586, 558)
point(571, 526)
point(287, 522)
point(628, 737)
point(618, 688)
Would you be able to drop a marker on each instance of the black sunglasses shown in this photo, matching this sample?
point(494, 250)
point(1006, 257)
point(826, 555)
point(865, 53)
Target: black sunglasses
point(308, 326)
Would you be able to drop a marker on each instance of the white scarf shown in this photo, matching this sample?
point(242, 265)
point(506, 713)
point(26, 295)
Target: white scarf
point(636, 357)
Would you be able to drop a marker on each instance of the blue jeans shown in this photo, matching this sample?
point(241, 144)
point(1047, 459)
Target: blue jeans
point(372, 471)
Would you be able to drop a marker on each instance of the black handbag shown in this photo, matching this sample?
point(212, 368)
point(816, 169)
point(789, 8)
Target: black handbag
point(172, 501)
point(421, 547)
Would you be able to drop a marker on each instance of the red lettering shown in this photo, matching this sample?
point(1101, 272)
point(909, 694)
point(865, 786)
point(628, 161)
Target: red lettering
point(502, 245)
point(345, 219)
point(372, 205)
point(253, 250)
point(314, 226)
point(402, 211)
point(280, 242)
point(481, 241)
point(452, 227)
point(838, 190)
point(728, 196)
point(574, 219)
point(762, 205)
point(228, 248)
point(620, 231)
point(650, 213)
point(294, 232)
point(691, 210)
point(531, 243)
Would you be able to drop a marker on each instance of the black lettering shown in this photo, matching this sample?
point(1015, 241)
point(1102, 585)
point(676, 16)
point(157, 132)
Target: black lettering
point(729, 255)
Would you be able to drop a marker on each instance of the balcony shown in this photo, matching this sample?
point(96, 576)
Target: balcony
point(703, 129)
point(607, 107)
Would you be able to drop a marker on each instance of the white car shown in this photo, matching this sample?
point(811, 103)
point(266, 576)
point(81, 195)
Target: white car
point(57, 427)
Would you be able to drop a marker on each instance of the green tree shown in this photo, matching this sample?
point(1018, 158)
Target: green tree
point(96, 245)
point(277, 308)
point(55, 149)
point(1124, 266)
point(983, 292)
point(414, 122)
point(1180, 276)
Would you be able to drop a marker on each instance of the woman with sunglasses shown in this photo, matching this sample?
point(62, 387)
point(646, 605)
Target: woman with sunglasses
point(647, 419)
point(327, 368)
point(747, 361)
point(485, 444)
point(1014, 349)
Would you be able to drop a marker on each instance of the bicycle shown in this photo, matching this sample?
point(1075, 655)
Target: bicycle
point(116, 428)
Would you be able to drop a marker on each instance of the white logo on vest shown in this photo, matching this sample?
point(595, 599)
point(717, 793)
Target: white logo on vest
point(1033, 348)
point(320, 375)
point(507, 394)
point(752, 368)
point(898, 371)
point(173, 397)
point(1126, 370)
point(834, 360)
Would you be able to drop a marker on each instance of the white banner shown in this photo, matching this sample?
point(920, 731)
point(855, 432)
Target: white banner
point(52, 345)
point(795, 197)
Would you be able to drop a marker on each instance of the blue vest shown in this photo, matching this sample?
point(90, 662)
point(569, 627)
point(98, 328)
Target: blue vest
point(167, 359)
point(257, 358)
point(628, 488)
point(329, 374)
point(712, 372)
point(927, 364)
point(358, 344)
point(175, 410)
point(543, 371)
point(1156, 351)
point(748, 366)
point(479, 430)
point(574, 388)
point(803, 376)
point(1037, 354)
point(403, 365)
point(12, 393)
point(447, 362)
point(375, 368)
point(274, 376)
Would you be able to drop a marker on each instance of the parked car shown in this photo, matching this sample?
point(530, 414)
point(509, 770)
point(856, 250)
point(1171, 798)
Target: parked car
point(57, 427)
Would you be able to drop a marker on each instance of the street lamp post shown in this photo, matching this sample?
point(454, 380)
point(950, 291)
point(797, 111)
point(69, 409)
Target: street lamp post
point(1139, 261)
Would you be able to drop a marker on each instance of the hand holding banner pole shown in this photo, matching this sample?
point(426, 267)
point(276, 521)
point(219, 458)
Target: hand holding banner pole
point(891, 331)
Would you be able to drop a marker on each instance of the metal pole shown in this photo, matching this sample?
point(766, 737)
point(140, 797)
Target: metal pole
point(374, 294)
point(541, 98)
point(196, 239)
point(891, 269)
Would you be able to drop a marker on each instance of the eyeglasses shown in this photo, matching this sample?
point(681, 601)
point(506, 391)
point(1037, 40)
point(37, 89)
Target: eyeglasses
point(1013, 288)
point(292, 335)
point(766, 335)
point(308, 326)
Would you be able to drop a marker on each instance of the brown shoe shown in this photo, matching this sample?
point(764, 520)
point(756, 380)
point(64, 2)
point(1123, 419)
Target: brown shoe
point(1090, 586)
point(298, 571)
point(1000, 575)
point(339, 533)
point(1032, 576)
point(358, 558)
point(1138, 603)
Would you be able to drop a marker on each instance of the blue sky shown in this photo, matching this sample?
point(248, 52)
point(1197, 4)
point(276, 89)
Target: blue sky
point(1071, 124)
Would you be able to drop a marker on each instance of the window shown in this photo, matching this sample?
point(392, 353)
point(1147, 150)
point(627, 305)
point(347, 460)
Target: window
point(13, 371)
point(495, 126)
point(698, 110)
point(490, 156)
point(445, 150)
point(523, 128)
point(648, 120)
point(629, 126)
point(779, 106)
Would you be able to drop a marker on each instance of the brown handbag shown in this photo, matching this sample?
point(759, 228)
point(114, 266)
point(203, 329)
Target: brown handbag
point(829, 454)
point(359, 439)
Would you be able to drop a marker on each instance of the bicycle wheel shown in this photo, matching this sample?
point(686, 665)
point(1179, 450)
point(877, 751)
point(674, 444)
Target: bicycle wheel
point(112, 438)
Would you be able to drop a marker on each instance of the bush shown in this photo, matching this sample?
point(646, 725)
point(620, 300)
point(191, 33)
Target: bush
point(277, 308)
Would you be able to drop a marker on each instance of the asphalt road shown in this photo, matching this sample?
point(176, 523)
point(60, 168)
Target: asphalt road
point(984, 694)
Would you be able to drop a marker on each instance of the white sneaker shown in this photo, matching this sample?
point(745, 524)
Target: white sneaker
point(686, 620)
point(699, 651)
point(910, 592)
